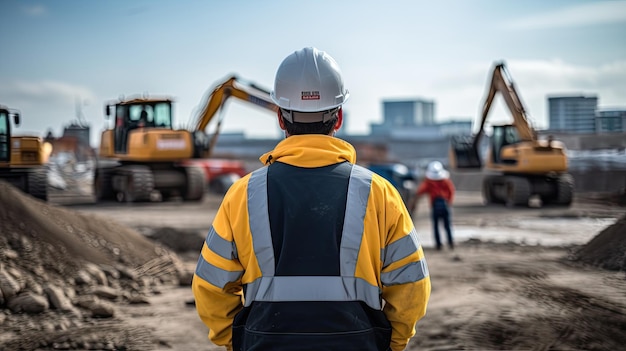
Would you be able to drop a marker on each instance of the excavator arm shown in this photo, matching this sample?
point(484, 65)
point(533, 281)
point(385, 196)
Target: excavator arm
point(465, 150)
point(232, 87)
point(214, 102)
point(503, 84)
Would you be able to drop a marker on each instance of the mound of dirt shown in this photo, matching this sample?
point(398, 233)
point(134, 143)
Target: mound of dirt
point(181, 241)
point(69, 237)
point(62, 274)
point(607, 249)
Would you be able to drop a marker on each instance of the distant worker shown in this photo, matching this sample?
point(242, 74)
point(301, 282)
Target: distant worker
point(311, 251)
point(143, 119)
point(440, 190)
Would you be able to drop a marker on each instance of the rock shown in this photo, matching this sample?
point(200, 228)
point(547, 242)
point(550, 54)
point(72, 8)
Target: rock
point(61, 346)
point(58, 299)
point(32, 285)
point(138, 299)
point(97, 307)
point(10, 254)
point(96, 273)
point(10, 286)
point(110, 272)
point(18, 276)
point(69, 292)
point(106, 292)
point(28, 302)
point(103, 310)
point(83, 278)
point(126, 272)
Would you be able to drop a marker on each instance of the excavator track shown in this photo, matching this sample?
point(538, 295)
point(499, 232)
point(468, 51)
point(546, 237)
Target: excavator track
point(564, 190)
point(488, 193)
point(518, 191)
point(133, 183)
point(32, 181)
point(509, 190)
point(37, 183)
point(196, 184)
point(103, 187)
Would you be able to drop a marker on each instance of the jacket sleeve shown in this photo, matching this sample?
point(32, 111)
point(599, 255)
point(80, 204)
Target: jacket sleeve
point(216, 284)
point(422, 188)
point(452, 191)
point(405, 277)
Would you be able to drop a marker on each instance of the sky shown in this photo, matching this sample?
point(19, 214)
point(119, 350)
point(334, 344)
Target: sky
point(63, 59)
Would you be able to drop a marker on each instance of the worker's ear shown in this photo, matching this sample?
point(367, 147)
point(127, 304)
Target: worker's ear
point(281, 122)
point(339, 119)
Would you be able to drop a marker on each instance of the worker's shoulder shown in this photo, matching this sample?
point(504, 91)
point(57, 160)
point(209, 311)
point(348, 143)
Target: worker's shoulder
point(377, 180)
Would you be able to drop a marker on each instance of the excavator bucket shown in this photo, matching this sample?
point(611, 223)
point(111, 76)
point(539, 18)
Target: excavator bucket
point(463, 153)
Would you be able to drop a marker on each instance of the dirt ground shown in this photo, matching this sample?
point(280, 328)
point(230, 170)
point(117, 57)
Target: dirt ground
point(524, 278)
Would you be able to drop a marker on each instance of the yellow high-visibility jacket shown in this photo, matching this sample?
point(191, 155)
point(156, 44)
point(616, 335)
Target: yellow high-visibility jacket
point(312, 249)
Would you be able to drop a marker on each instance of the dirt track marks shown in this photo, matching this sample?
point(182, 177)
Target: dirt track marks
point(560, 317)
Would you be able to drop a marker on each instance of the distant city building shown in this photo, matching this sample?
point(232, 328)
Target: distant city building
point(418, 112)
point(432, 132)
point(456, 127)
point(574, 114)
point(401, 114)
point(80, 132)
point(610, 121)
point(415, 120)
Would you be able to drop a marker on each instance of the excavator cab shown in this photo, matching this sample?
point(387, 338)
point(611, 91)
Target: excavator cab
point(136, 114)
point(502, 136)
point(465, 151)
point(5, 134)
point(142, 132)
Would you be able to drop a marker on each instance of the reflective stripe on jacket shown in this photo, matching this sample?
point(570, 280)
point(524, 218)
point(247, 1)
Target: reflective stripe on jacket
point(303, 274)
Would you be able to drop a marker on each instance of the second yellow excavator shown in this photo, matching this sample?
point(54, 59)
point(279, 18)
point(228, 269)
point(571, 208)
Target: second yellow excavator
point(22, 158)
point(143, 154)
point(519, 165)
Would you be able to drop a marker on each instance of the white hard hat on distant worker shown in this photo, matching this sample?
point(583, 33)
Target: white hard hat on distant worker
point(435, 171)
point(309, 80)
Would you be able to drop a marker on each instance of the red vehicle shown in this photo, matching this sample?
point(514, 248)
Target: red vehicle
point(220, 174)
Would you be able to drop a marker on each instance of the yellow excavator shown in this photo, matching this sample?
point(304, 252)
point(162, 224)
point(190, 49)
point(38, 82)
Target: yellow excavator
point(22, 158)
point(143, 155)
point(519, 165)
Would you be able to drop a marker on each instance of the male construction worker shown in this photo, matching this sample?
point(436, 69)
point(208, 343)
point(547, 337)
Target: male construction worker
point(311, 252)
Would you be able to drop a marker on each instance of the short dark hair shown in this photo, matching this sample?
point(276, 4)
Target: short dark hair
point(323, 128)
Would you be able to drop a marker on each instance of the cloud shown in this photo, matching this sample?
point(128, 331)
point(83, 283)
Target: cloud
point(464, 90)
point(593, 13)
point(45, 92)
point(45, 104)
point(34, 10)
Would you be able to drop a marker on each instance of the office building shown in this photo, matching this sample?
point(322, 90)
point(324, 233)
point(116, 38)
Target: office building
point(573, 114)
point(610, 121)
point(406, 114)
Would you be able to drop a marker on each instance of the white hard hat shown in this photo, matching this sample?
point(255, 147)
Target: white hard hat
point(309, 80)
point(435, 171)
